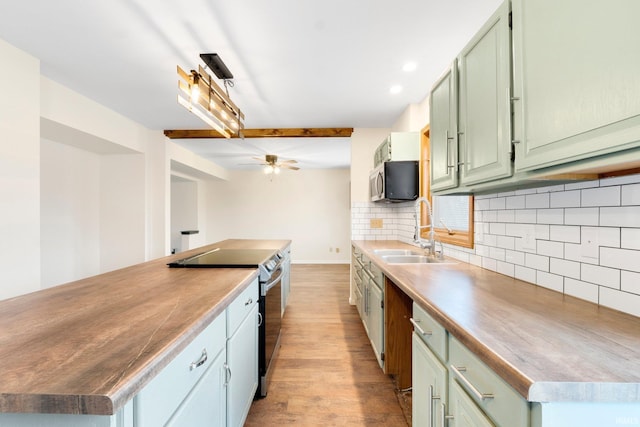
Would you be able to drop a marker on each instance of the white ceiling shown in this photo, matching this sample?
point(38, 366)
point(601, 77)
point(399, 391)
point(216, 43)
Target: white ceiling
point(296, 63)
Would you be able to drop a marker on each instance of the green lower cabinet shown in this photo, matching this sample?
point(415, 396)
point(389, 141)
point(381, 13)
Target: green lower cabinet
point(463, 411)
point(429, 379)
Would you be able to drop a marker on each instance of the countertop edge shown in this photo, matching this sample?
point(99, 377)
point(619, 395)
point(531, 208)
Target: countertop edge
point(529, 389)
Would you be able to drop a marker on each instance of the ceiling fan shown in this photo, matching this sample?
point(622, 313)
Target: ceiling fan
point(272, 165)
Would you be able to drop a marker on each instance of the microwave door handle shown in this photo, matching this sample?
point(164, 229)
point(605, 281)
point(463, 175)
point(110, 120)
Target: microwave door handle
point(380, 183)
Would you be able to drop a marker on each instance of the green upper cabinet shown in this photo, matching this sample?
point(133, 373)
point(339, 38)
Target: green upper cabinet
point(576, 74)
point(484, 102)
point(443, 107)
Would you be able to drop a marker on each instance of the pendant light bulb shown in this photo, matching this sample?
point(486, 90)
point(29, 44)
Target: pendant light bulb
point(195, 90)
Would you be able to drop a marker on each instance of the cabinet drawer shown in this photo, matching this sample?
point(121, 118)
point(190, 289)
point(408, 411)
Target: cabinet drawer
point(502, 403)
point(162, 396)
point(433, 334)
point(357, 280)
point(377, 275)
point(242, 306)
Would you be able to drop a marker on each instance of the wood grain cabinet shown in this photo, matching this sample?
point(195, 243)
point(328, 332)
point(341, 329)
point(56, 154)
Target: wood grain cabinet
point(576, 79)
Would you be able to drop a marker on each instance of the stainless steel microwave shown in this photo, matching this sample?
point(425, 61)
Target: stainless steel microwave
point(395, 181)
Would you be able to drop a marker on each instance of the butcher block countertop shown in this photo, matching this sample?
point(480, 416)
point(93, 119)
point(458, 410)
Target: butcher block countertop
point(88, 347)
point(548, 346)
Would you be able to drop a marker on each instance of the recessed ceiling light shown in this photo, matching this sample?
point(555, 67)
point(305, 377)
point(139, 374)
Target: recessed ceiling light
point(395, 89)
point(409, 66)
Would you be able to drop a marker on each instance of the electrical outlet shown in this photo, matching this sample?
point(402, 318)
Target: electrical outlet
point(590, 245)
point(376, 223)
point(337, 250)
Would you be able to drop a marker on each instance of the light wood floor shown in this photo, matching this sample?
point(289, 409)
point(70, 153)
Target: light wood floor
point(326, 373)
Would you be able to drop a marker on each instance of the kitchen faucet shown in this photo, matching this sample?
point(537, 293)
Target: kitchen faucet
point(431, 243)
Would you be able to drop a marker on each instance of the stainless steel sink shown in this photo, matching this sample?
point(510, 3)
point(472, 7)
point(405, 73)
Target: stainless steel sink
point(395, 252)
point(413, 259)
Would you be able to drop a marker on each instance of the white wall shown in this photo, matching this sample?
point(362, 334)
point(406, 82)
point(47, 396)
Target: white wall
point(70, 213)
point(184, 210)
point(363, 145)
point(19, 172)
point(310, 207)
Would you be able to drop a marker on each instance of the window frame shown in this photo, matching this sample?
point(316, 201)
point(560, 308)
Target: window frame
point(455, 237)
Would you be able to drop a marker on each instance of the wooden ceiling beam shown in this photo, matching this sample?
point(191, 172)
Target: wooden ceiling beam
point(263, 133)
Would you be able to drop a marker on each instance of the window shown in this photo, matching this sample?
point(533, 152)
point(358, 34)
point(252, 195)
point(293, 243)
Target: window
point(453, 215)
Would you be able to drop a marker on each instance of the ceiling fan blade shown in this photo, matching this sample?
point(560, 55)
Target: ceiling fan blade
point(295, 168)
point(289, 161)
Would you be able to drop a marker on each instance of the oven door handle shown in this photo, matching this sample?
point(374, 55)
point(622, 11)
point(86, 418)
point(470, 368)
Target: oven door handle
point(274, 282)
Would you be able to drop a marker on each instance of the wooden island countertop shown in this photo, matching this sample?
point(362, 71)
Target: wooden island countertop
point(88, 347)
point(548, 346)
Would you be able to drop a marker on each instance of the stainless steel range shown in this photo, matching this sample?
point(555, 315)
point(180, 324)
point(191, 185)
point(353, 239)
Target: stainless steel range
point(269, 264)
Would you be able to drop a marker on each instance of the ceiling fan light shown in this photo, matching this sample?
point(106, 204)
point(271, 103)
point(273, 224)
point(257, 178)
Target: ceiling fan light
point(276, 170)
point(268, 169)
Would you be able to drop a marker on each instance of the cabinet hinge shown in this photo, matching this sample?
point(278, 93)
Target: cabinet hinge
point(382, 356)
point(511, 20)
point(381, 304)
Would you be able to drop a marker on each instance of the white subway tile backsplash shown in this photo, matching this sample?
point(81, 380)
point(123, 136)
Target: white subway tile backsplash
point(550, 216)
point(565, 199)
point(497, 203)
point(551, 249)
point(489, 264)
point(581, 216)
point(550, 281)
point(565, 233)
point(506, 268)
point(630, 238)
point(514, 257)
point(603, 196)
point(515, 202)
point(631, 194)
point(582, 290)
point(625, 216)
point(602, 276)
point(525, 274)
point(623, 259)
point(537, 201)
point(482, 204)
point(537, 262)
point(574, 252)
point(506, 242)
point(581, 184)
point(526, 216)
point(564, 268)
point(583, 238)
point(497, 228)
point(618, 300)
point(497, 253)
point(630, 282)
point(506, 216)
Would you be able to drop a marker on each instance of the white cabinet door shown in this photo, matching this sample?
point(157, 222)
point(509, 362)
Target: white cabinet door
point(242, 360)
point(206, 404)
point(484, 103)
point(429, 379)
point(576, 73)
point(444, 131)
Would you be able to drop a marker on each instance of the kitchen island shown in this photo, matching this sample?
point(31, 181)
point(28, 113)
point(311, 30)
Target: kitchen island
point(566, 358)
point(88, 347)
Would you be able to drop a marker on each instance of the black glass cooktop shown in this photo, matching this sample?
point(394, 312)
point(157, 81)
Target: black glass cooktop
point(220, 258)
